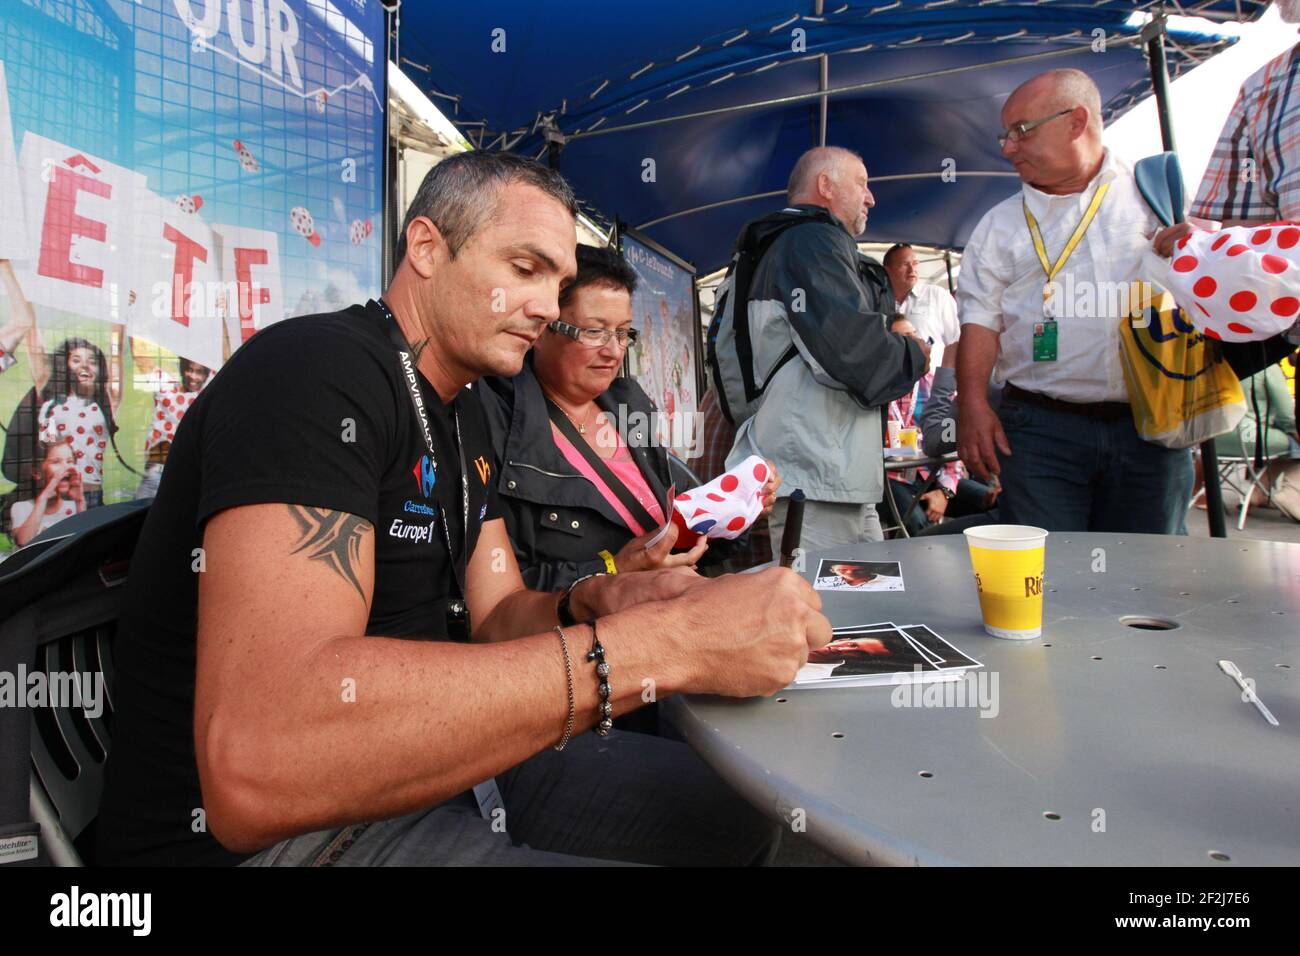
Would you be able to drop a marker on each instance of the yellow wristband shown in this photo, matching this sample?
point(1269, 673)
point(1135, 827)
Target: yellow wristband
point(609, 562)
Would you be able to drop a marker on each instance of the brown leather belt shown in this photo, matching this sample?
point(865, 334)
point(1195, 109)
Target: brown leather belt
point(1101, 411)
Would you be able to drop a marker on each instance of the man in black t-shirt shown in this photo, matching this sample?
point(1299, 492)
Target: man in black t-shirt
point(287, 691)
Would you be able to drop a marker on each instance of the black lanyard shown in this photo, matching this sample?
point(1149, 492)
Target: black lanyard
point(410, 375)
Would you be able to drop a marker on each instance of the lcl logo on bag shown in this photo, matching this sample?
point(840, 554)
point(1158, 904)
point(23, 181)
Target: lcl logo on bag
point(1161, 323)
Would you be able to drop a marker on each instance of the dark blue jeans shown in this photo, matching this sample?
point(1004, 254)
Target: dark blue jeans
point(1067, 472)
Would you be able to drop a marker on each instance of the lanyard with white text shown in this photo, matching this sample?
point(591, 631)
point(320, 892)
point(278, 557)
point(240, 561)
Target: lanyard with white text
point(410, 374)
point(1049, 269)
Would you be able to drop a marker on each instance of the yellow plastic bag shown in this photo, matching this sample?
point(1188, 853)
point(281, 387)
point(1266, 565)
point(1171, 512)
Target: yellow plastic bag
point(1182, 391)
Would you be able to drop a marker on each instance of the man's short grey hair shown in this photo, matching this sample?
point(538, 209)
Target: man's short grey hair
point(1076, 88)
point(818, 160)
point(460, 194)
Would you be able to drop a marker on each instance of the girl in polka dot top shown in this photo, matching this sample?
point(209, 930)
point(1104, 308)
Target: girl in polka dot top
point(60, 494)
point(79, 406)
point(170, 403)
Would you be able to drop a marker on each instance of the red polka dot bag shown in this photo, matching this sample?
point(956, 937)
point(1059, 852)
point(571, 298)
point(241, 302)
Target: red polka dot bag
point(724, 508)
point(1240, 284)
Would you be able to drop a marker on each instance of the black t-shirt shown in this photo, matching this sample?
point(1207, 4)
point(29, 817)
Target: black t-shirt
point(313, 411)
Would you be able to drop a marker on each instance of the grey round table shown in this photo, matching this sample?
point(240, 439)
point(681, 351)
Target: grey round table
point(1111, 744)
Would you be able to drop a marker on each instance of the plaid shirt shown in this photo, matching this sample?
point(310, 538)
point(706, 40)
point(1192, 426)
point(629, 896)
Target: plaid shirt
point(1254, 171)
point(903, 411)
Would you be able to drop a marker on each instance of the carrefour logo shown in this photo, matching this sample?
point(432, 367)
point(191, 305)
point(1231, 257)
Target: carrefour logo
point(425, 475)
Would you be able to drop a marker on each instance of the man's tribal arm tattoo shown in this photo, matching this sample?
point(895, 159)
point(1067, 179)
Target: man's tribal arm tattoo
point(332, 537)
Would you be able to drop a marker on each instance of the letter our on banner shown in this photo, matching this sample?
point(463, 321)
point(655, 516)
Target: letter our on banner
point(176, 275)
point(13, 237)
point(79, 238)
point(250, 272)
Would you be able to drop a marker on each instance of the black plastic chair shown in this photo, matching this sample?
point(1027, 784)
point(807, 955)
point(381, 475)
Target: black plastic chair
point(59, 603)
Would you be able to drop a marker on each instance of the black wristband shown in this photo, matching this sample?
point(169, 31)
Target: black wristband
point(597, 654)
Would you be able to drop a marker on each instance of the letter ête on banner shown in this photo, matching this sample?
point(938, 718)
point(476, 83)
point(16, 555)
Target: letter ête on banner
point(79, 238)
point(13, 237)
point(250, 273)
point(176, 275)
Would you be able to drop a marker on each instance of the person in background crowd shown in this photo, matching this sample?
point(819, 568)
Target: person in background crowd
point(1251, 178)
point(931, 310)
point(1063, 443)
point(952, 496)
point(818, 417)
point(60, 495)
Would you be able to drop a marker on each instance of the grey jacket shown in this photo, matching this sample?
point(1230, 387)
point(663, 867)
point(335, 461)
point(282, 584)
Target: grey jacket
point(819, 417)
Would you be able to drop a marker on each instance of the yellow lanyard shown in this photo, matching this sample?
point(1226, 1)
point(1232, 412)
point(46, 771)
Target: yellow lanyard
point(1036, 234)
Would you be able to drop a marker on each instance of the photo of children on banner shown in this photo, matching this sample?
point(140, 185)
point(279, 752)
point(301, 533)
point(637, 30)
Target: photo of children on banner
point(59, 492)
point(883, 653)
point(172, 398)
point(75, 396)
point(861, 576)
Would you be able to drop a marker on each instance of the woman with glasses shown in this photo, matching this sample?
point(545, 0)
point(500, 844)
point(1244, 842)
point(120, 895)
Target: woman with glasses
point(578, 465)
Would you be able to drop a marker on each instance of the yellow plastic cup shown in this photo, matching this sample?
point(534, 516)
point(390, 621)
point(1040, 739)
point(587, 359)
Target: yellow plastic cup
point(1008, 563)
point(907, 437)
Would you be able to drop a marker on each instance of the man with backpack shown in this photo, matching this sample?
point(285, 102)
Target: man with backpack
point(803, 368)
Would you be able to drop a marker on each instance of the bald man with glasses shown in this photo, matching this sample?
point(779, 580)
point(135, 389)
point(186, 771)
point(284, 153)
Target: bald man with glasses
point(1033, 316)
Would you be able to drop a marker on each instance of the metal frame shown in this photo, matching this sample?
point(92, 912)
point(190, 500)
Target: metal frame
point(998, 174)
point(823, 95)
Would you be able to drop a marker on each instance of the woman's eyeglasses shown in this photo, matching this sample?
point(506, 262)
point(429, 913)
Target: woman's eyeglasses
point(594, 338)
point(1017, 131)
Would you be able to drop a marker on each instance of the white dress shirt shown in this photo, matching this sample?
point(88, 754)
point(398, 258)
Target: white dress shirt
point(933, 313)
point(1001, 284)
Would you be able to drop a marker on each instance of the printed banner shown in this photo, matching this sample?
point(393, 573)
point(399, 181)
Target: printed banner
point(175, 175)
point(663, 361)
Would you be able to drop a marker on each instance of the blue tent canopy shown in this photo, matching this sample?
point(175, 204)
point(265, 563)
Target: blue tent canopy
point(683, 119)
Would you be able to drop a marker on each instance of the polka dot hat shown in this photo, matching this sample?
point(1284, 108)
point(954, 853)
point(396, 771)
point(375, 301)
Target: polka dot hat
point(724, 508)
point(1240, 284)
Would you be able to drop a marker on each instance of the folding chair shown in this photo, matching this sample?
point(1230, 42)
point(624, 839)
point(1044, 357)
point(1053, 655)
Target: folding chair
point(1238, 470)
point(59, 602)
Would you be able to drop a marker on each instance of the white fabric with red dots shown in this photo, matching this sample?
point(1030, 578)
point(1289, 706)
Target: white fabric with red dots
point(169, 407)
point(81, 424)
point(1240, 284)
point(725, 507)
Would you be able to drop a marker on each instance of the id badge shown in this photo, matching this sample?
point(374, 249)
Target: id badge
point(1045, 341)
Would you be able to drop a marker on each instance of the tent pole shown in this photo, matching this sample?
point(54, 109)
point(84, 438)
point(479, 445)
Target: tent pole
point(823, 84)
point(1154, 34)
point(1155, 37)
point(947, 264)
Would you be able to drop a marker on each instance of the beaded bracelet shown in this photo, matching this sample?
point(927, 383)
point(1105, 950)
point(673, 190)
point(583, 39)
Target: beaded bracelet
point(597, 654)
